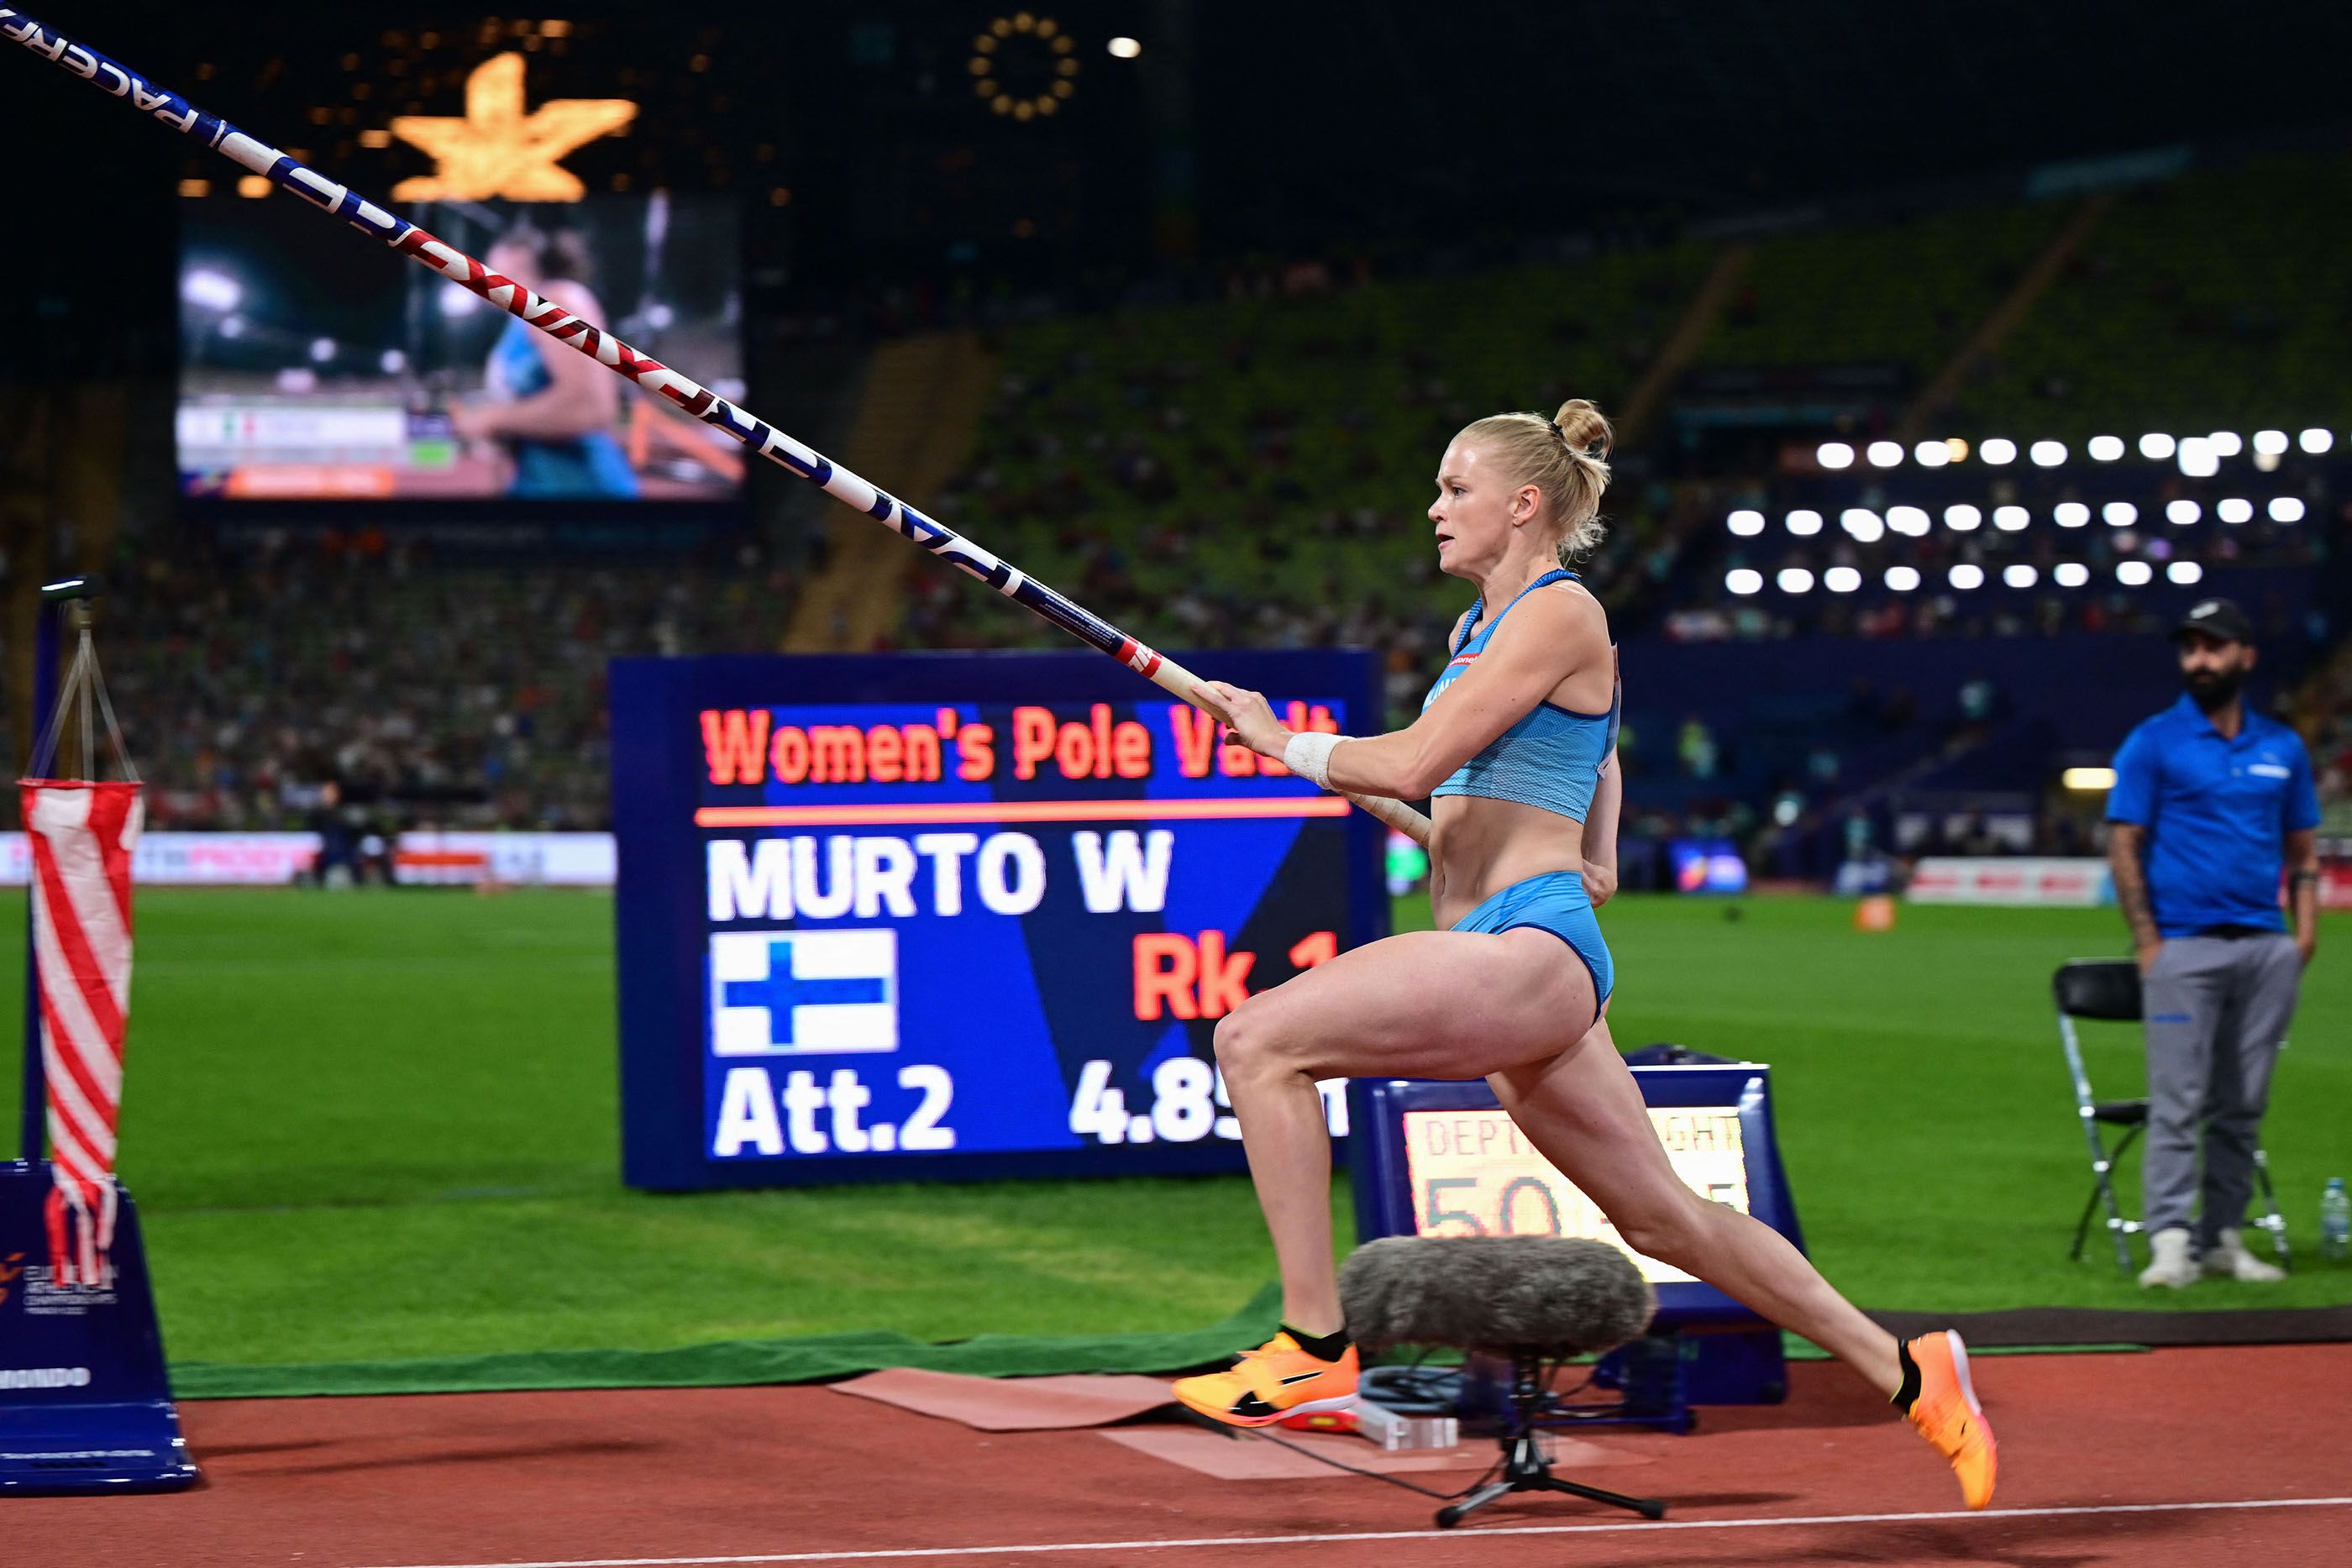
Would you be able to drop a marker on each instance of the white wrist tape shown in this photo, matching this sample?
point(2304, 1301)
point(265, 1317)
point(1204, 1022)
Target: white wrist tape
point(1309, 755)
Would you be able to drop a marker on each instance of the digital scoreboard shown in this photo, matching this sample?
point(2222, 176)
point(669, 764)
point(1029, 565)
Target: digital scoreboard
point(911, 917)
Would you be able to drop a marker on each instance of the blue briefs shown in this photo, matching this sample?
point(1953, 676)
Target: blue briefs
point(1555, 902)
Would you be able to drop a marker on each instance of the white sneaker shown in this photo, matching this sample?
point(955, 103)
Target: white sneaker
point(2228, 1259)
point(2172, 1264)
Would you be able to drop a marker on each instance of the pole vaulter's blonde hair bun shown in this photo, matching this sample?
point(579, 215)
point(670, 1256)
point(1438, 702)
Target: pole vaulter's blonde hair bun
point(1565, 457)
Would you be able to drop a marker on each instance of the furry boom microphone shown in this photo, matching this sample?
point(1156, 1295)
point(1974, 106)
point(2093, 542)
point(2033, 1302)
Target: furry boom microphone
point(1550, 1295)
point(1530, 1298)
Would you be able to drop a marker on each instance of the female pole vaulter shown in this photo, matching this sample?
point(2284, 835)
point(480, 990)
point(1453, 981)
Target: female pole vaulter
point(1514, 742)
point(1515, 745)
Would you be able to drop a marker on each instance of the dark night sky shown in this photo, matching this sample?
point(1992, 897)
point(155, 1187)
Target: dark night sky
point(1306, 128)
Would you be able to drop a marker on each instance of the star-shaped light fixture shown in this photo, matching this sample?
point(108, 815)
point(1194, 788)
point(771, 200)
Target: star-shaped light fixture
point(497, 150)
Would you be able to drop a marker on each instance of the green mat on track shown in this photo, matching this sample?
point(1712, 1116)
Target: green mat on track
point(740, 1362)
point(737, 1364)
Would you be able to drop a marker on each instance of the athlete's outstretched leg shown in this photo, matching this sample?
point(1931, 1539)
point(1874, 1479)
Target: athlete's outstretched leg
point(1585, 1113)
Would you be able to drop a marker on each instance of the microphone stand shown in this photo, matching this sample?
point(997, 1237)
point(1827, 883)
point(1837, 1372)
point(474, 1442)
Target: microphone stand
point(1525, 1468)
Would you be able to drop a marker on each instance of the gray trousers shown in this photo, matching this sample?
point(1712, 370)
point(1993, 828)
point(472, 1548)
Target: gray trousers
point(2216, 1013)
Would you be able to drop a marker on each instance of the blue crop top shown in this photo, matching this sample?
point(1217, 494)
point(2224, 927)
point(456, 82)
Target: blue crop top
point(1552, 757)
point(590, 465)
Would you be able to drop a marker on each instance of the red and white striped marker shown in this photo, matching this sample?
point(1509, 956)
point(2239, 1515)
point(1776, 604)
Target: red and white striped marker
point(82, 838)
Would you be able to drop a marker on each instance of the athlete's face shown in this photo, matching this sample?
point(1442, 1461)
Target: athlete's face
point(1477, 511)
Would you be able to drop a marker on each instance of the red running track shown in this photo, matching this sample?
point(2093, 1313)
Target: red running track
point(2147, 1461)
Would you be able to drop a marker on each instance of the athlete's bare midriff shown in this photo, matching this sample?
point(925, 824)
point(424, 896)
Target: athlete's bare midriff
point(1478, 847)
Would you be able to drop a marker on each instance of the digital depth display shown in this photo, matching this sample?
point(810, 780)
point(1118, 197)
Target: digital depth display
point(973, 927)
point(1474, 1172)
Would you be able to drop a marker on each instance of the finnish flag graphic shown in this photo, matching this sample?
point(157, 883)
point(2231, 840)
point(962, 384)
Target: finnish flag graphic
point(779, 993)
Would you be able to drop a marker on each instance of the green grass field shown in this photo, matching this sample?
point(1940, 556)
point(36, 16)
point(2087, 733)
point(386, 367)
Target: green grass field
point(384, 1125)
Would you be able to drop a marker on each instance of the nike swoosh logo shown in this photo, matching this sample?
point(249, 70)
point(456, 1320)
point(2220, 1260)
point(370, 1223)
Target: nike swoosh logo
point(1301, 1378)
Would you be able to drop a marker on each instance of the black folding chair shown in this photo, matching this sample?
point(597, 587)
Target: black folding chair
point(2108, 989)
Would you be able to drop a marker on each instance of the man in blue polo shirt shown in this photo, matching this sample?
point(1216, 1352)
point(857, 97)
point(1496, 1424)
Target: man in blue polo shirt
point(2210, 802)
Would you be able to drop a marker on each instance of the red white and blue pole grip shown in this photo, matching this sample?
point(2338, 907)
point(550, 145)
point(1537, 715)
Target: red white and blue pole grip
point(649, 374)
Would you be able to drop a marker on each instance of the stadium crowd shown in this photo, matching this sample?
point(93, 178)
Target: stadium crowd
point(431, 694)
point(1247, 465)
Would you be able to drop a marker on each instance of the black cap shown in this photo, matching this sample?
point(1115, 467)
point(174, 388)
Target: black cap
point(2217, 618)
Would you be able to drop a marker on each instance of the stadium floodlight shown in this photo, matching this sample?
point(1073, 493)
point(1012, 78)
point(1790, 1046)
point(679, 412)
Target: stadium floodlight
point(391, 361)
point(1966, 574)
point(2185, 572)
point(1841, 579)
point(2134, 573)
point(1833, 455)
point(2070, 514)
point(2047, 454)
point(232, 327)
point(1884, 454)
point(2270, 443)
point(2106, 448)
point(2156, 445)
point(2225, 443)
point(2236, 510)
point(2070, 574)
point(1997, 451)
point(1931, 454)
point(1124, 48)
point(1962, 518)
point(2183, 511)
point(457, 302)
point(1743, 580)
point(1955, 449)
point(2017, 574)
point(321, 350)
point(1747, 523)
point(2197, 458)
point(1795, 580)
point(2287, 508)
point(210, 290)
point(2315, 439)
point(1902, 578)
point(1911, 520)
point(1864, 524)
point(1804, 522)
point(2089, 781)
point(2119, 514)
point(2010, 519)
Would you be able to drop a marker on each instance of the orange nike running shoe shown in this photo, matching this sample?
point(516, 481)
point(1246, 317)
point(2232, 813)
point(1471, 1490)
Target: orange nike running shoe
point(1276, 1380)
point(1947, 1415)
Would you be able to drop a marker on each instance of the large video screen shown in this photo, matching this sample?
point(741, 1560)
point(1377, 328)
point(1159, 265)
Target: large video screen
point(923, 916)
point(316, 365)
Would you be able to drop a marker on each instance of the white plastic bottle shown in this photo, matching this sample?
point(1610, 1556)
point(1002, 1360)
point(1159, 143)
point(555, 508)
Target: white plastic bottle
point(2334, 1221)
